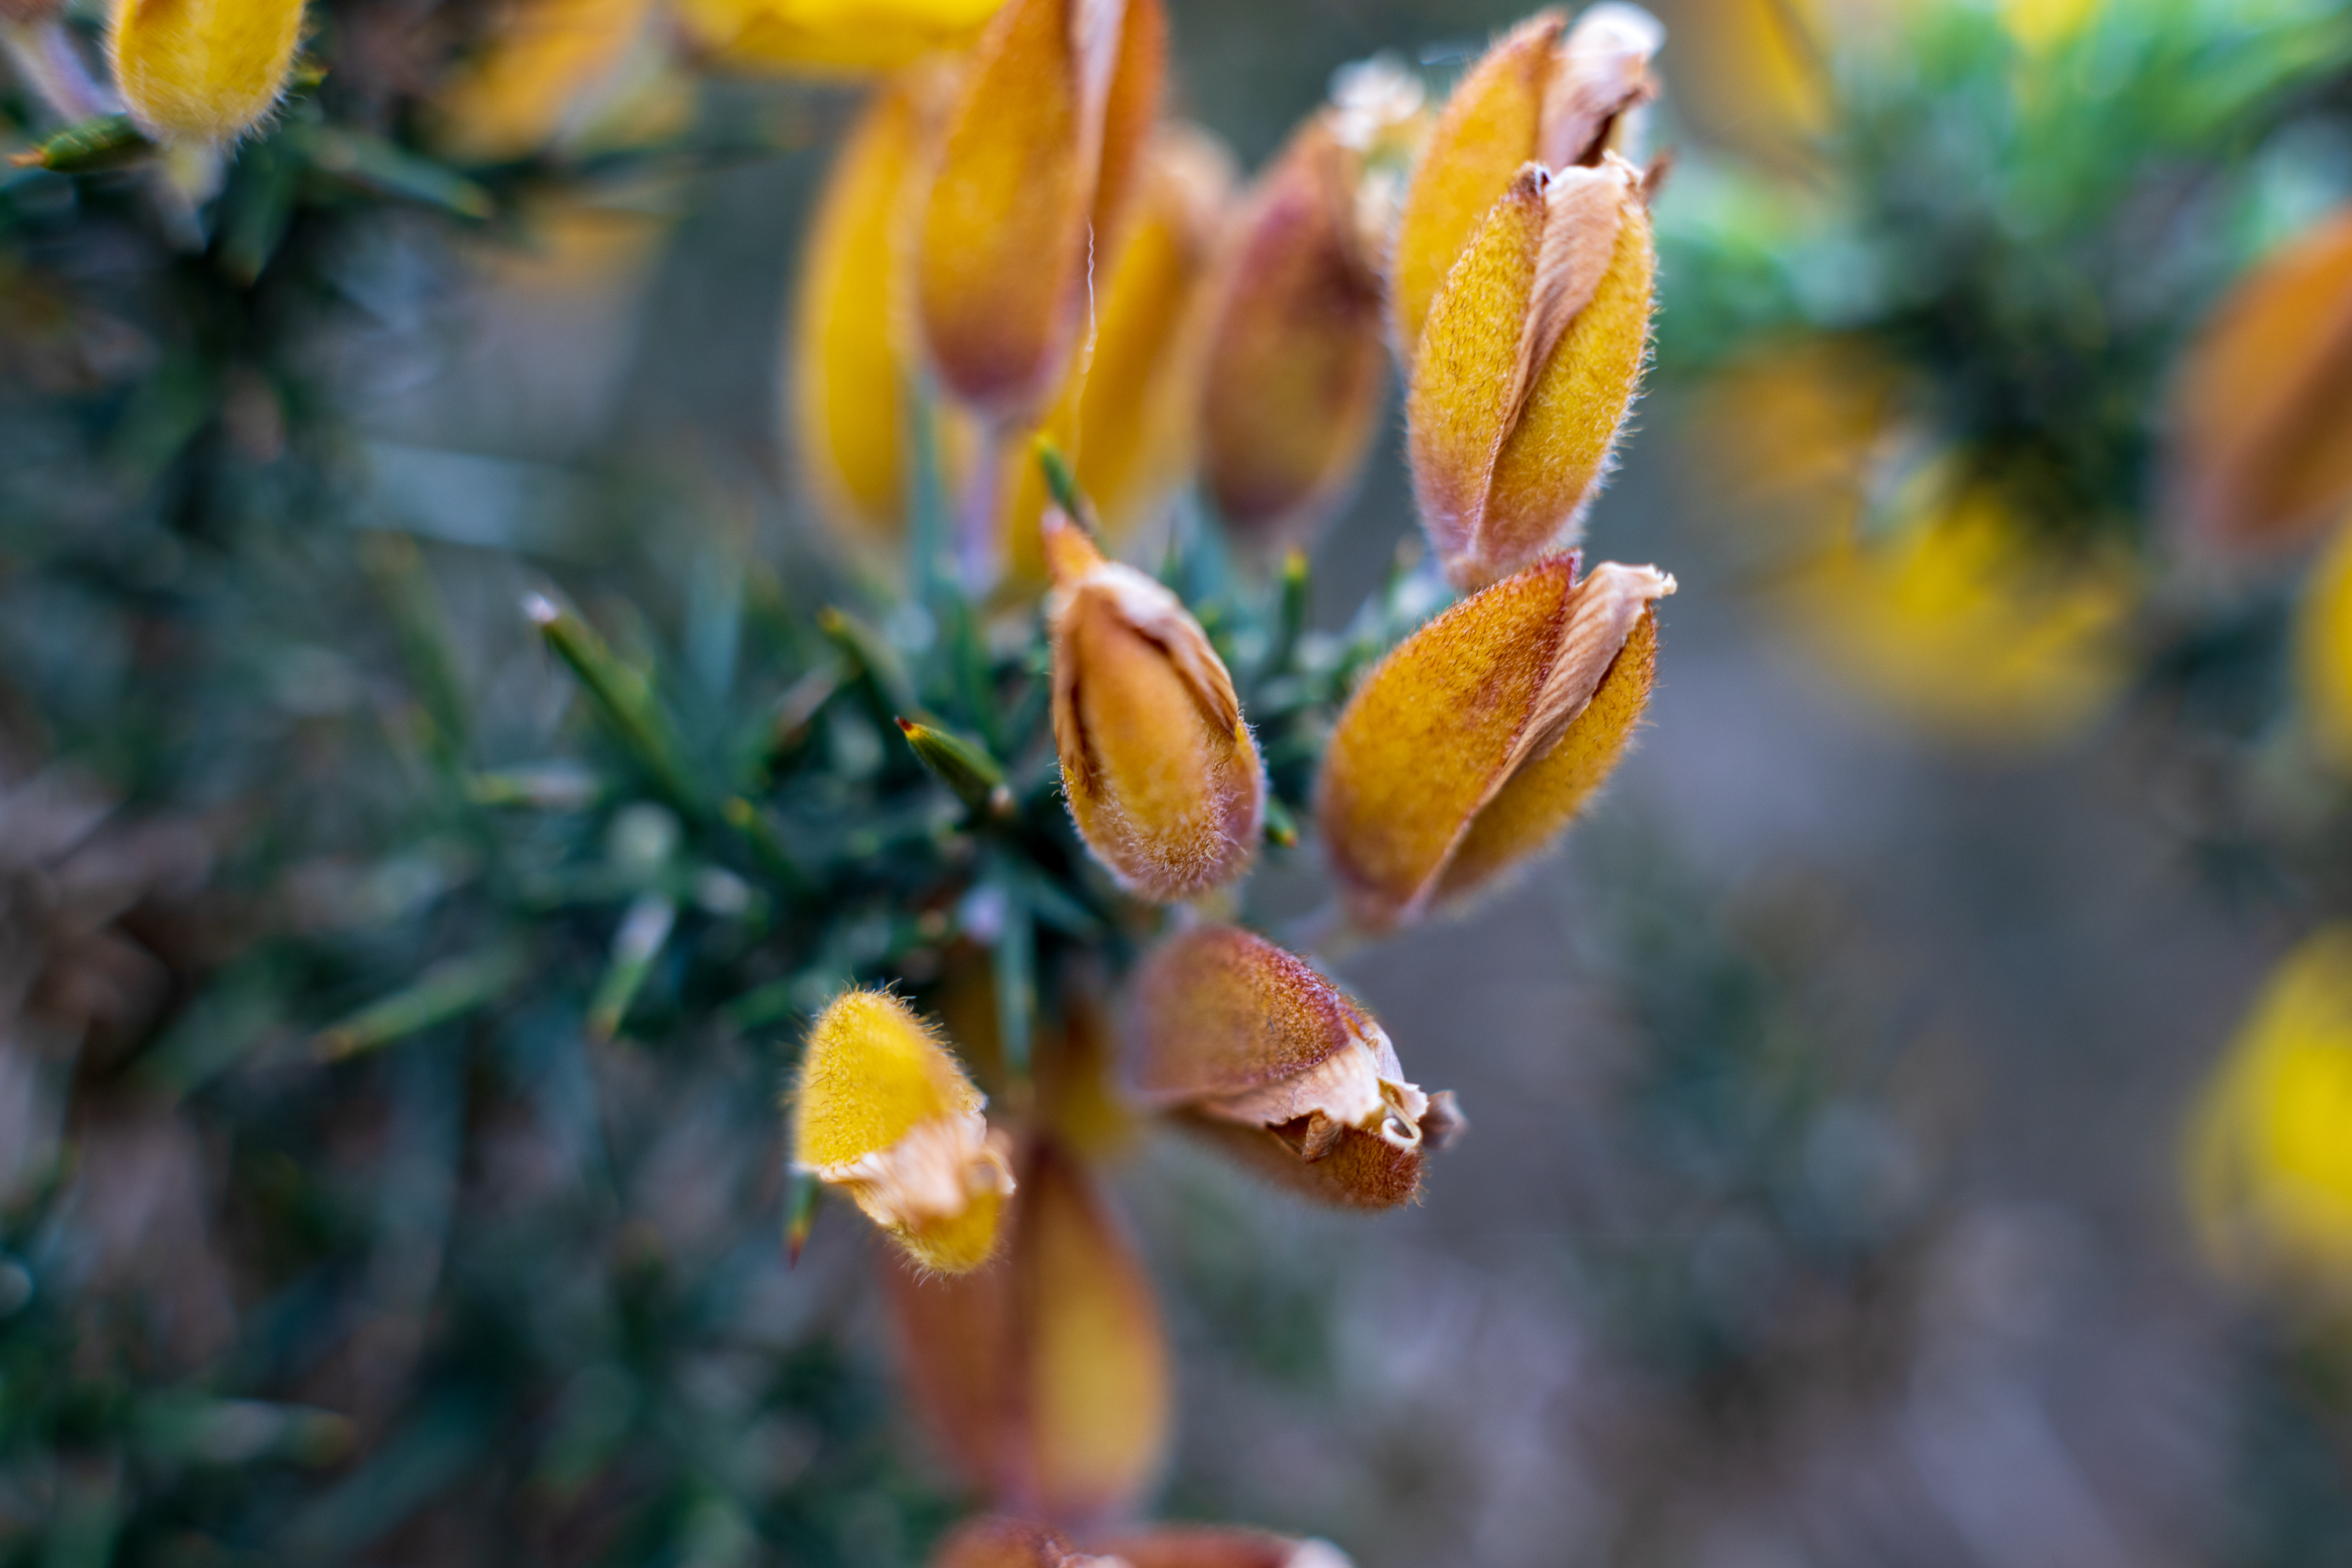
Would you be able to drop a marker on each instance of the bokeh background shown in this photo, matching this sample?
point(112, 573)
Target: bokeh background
point(1825, 1202)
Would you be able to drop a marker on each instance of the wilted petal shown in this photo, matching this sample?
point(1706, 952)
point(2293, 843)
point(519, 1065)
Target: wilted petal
point(1162, 777)
point(1478, 738)
point(2263, 421)
point(881, 1110)
point(202, 70)
point(1265, 1056)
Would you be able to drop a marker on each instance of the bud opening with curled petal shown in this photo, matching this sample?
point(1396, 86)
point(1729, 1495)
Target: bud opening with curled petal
point(202, 70)
point(1163, 776)
point(1471, 746)
point(1041, 152)
point(1545, 93)
point(1530, 358)
point(1255, 1047)
point(883, 1111)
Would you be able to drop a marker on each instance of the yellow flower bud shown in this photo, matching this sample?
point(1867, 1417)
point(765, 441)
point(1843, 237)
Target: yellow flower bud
point(2269, 1157)
point(1543, 94)
point(1253, 1047)
point(882, 1112)
point(1044, 1376)
point(2324, 653)
point(1527, 366)
point(1125, 412)
point(831, 36)
point(546, 67)
point(1163, 776)
point(1474, 743)
point(2263, 418)
point(202, 70)
point(1042, 151)
point(1290, 398)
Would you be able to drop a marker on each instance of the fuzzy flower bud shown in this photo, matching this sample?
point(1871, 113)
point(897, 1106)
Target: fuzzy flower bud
point(1041, 152)
point(1544, 94)
point(202, 70)
point(1290, 398)
point(830, 37)
point(882, 1112)
point(1527, 366)
point(1475, 743)
point(1253, 1045)
point(1163, 776)
point(2262, 444)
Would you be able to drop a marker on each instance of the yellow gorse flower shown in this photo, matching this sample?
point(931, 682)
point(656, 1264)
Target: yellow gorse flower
point(1163, 779)
point(2269, 1158)
point(831, 36)
point(547, 64)
point(1255, 1049)
point(1473, 744)
point(881, 1110)
point(1041, 152)
point(202, 70)
point(1544, 94)
point(1527, 366)
point(2264, 417)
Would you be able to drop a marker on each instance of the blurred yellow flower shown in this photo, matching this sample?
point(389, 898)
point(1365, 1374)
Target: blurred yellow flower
point(2041, 26)
point(547, 67)
point(1476, 740)
point(2269, 1158)
point(202, 70)
point(2324, 652)
point(830, 36)
point(882, 1110)
point(1755, 73)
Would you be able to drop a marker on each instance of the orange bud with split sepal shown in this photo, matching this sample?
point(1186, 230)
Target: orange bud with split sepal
point(1475, 743)
point(882, 1112)
point(1265, 1058)
point(1527, 367)
point(1545, 93)
point(1041, 153)
point(1163, 776)
point(1046, 1375)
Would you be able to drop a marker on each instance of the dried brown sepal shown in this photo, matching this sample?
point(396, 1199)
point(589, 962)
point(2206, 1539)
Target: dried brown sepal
point(1249, 1045)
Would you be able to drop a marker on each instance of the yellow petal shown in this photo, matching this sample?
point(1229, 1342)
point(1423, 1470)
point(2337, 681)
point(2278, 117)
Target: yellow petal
point(1163, 776)
point(881, 1110)
point(1039, 155)
point(1756, 73)
point(1291, 396)
point(831, 36)
point(545, 65)
point(202, 70)
point(1502, 686)
point(2268, 1161)
point(1527, 365)
point(2324, 652)
point(2264, 417)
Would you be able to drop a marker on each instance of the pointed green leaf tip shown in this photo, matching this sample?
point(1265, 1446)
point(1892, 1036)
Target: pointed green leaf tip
point(963, 768)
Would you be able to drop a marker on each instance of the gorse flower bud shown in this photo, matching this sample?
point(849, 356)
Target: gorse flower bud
point(1527, 365)
point(1041, 153)
point(1472, 745)
point(202, 70)
point(1044, 1375)
point(1252, 1045)
point(2264, 417)
point(1163, 776)
point(881, 1110)
point(831, 36)
point(1543, 94)
point(2268, 1161)
point(1290, 397)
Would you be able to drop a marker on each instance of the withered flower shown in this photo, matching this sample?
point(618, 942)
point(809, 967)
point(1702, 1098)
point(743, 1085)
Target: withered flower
point(1163, 776)
point(1291, 396)
point(1255, 1047)
point(1544, 94)
point(881, 1110)
point(1041, 153)
point(2264, 417)
point(1476, 740)
point(202, 70)
point(1044, 1375)
point(1528, 365)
